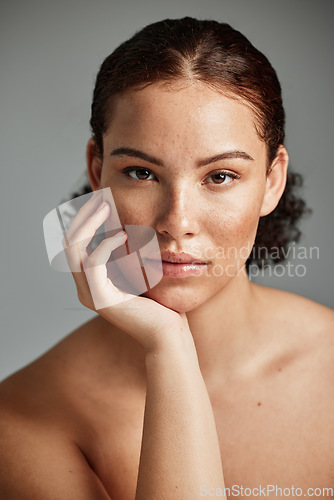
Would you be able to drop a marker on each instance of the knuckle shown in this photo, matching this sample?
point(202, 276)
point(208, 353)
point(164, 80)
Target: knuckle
point(92, 261)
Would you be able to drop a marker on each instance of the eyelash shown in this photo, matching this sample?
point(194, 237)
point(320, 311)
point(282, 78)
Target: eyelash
point(227, 174)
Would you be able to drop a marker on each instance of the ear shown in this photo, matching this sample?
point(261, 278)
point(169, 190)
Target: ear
point(94, 165)
point(276, 181)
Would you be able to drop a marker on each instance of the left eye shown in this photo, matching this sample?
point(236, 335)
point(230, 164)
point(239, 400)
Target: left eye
point(221, 177)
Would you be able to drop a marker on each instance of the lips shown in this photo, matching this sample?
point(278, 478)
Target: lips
point(177, 265)
point(180, 258)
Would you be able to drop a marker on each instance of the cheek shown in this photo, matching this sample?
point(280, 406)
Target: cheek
point(233, 229)
point(132, 208)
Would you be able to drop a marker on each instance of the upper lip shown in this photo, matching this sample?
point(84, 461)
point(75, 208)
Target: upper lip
point(179, 258)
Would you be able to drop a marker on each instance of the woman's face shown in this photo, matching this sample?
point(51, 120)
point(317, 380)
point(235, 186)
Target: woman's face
point(201, 186)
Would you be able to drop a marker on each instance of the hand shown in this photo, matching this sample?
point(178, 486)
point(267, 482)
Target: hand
point(149, 322)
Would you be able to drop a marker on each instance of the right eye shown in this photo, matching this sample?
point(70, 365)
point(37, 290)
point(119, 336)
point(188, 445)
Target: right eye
point(141, 173)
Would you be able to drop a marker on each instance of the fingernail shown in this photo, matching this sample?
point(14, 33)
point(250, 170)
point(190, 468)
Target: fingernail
point(121, 235)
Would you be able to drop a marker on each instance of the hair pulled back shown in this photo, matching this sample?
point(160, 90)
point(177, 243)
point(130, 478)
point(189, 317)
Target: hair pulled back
point(213, 53)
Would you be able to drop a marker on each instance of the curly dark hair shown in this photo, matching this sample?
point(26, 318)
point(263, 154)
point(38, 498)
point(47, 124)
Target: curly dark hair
point(224, 59)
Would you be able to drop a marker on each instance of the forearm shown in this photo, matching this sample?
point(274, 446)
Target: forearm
point(180, 447)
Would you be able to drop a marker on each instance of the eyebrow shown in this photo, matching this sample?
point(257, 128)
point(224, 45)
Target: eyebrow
point(227, 155)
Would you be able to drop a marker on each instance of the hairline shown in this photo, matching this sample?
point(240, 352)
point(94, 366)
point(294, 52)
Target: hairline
point(166, 82)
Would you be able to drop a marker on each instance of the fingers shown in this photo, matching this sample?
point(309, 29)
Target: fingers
point(78, 240)
point(88, 228)
point(75, 242)
point(103, 292)
point(86, 211)
point(95, 289)
point(102, 253)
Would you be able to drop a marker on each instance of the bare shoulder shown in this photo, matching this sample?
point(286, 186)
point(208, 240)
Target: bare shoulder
point(296, 311)
point(84, 356)
point(94, 363)
point(50, 410)
point(38, 459)
point(306, 328)
point(303, 333)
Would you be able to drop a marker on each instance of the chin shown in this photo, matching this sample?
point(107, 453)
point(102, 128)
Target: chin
point(177, 299)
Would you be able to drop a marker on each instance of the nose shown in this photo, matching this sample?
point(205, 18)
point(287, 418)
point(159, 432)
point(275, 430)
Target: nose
point(177, 214)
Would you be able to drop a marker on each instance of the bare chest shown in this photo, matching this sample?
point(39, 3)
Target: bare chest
point(272, 435)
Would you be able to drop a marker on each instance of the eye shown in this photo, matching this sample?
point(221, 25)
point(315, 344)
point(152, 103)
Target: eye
point(141, 173)
point(221, 177)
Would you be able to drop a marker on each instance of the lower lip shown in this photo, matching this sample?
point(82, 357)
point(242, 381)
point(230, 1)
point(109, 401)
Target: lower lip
point(176, 270)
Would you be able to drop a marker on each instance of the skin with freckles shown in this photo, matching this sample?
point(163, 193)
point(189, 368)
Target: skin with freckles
point(211, 212)
point(266, 356)
point(195, 209)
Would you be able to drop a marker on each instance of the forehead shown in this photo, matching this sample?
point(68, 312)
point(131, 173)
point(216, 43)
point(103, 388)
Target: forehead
point(193, 116)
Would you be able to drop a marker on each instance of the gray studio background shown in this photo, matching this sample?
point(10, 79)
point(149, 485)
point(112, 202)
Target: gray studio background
point(50, 54)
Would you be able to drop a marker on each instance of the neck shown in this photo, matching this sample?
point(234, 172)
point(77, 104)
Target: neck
point(224, 328)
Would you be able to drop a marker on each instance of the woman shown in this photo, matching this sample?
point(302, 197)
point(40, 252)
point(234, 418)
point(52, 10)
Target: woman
point(206, 380)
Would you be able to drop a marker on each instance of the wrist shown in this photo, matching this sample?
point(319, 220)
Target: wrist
point(177, 346)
